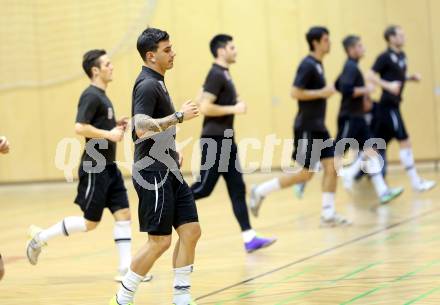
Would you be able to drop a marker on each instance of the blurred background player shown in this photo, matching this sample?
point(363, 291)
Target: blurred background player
point(352, 124)
point(100, 181)
point(219, 104)
point(311, 91)
point(390, 73)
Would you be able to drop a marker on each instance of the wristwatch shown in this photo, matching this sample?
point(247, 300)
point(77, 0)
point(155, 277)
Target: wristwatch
point(179, 116)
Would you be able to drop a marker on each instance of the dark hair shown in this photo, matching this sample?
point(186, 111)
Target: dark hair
point(390, 31)
point(219, 41)
point(149, 40)
point(315, 34)
point(350, 41)
point(91, 59)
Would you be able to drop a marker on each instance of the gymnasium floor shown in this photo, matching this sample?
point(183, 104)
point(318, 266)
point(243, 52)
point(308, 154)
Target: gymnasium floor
point(391, 255)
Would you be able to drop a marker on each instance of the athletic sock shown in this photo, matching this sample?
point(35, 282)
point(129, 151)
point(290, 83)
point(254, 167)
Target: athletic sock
point(182, 285)
point(354, 168)
point(128, 287)
point(67, 226)
point(375, 172)
point(407, 160)
point(328, 205)
point(248, 235)
point(122, 236)
point(268, 187)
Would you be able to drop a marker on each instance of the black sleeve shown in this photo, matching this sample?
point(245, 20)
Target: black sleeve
point(347, 80)
point(214, 83)
point(87, 107)
point(145, 98)
point(303, 76)
point(380, 64)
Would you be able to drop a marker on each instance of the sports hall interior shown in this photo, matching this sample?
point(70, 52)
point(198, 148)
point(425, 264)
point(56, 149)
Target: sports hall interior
point(390, 255)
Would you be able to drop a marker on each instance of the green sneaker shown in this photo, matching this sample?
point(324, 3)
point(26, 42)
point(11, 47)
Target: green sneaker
point(391, 194)
point(192, 303)
point(114, 302)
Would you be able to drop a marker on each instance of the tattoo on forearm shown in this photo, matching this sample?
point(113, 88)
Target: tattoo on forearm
point(147, 124)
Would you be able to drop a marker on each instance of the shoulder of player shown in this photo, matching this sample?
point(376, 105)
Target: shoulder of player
point(308, 64)
point(148, 84)
point(307, 61)
point(89, 94)
point(350, 65)
point(384, 55)
point(216, 72)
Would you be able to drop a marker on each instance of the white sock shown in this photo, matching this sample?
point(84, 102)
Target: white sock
point(379, 184)
point(182, 285)
point(375, 172)
point(407, 160)
point(67, 226)
point(128, 287)
point(248, 235)
point(122, 236)
point(268, 187)
point(354, 168)
point(328, 205)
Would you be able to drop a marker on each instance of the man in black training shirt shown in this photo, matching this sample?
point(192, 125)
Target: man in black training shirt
point(352, 124)
point(100, 182)
point(390, 73)
point(312, 141)
point(219, 104)
point(165, 199)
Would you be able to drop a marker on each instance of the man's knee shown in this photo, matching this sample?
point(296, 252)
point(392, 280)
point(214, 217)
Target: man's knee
point(190, 232)
point(122, 215)
point(91, 225)
point(159, 244)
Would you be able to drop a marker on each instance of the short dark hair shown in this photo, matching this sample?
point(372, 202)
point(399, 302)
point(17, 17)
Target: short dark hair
point(219, 41)
point(350, 41)
point(390, 31)
point(91, 59)
point(315, 34)
point(149, 40)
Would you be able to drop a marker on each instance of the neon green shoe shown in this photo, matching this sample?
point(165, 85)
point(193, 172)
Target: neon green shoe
point(390, 195)
point(114, 302)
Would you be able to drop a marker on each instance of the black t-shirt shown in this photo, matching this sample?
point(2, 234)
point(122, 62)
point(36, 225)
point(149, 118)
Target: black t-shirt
point(150, 97)
point(96, 109)
point(391, 66)
point(350, 78)
point(219, 83)
point(311, 113)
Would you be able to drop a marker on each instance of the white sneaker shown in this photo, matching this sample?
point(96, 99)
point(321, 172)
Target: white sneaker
point(335, 220)
point(424, 185)
point(255, 201)
point(118, 278)
point(34, 245)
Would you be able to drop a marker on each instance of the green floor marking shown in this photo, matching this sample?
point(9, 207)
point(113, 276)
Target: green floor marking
point(346, 276)
point(286, 279)
point(385, 285)
point(420, 297)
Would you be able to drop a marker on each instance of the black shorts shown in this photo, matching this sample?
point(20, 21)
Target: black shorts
point(164, 202)
point(307, 149)
point(97, 191)
point(352, 127)
point(388, 124)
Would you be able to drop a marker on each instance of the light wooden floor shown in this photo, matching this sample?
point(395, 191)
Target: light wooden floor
point(391, 255)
